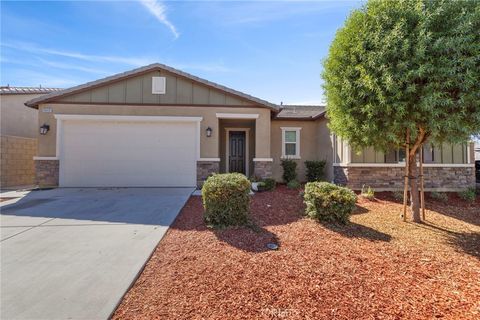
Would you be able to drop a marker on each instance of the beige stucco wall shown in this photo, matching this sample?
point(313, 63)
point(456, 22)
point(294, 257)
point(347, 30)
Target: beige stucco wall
point(315, 144)
point(209, 147)
point(16, 118)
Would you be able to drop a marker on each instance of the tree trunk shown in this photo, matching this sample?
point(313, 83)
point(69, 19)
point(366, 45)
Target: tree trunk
point(414, 195)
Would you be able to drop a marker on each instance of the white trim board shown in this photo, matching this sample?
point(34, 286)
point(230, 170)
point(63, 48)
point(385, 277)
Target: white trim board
point(262, 159)
point(44, 158)
point(247, 147)
point(88, 117)
point(209, 159)
point(402, 165)
point(237, 115)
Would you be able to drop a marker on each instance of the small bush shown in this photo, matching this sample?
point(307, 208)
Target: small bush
point(441, 196)
point(328, 202)
point(293, 184)
point(270, 184)
point(398, 195)
point(226, 200)
point(315, 170)
point(254, 178)
point(368, 193)
point(289, 170)
point(261, 186)
point(468, 194)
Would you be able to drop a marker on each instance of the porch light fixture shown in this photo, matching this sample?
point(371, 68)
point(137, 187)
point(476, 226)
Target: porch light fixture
point(44, 129)
point(209, 132)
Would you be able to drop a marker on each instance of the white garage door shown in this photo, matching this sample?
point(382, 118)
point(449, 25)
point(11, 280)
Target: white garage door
point(128, 154)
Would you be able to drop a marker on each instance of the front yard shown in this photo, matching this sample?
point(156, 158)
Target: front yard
point(375, 267)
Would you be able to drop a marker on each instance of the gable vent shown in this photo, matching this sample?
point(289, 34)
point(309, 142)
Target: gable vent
point(158, 85)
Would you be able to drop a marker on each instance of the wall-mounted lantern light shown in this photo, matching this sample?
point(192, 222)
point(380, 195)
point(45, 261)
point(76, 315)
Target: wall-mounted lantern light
point(44, 129)
point(209, 132)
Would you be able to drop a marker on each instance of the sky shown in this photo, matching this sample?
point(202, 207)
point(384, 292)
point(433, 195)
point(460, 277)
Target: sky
point(272, 50)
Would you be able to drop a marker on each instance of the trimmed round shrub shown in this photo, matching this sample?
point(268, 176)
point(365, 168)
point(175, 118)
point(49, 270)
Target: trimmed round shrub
point(329, 202)
point(270, 184)
point(315, 170)
point(293, 184)
point(226, 199)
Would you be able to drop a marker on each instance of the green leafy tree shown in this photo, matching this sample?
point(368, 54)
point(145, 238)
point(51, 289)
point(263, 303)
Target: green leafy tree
point(406, 66)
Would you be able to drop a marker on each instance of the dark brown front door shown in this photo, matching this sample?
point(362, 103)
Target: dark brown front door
point(236, 157)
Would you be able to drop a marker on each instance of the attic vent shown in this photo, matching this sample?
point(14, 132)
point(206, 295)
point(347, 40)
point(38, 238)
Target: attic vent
point(158, 85)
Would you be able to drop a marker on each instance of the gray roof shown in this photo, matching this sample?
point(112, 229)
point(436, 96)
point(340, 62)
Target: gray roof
point(301, 112)
point(152, 67)
point(26, 90)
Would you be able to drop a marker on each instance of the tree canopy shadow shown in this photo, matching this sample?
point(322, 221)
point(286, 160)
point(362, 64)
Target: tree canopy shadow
point(247, 238)
point(464, 242)
point(355, 230)
point(452, 206)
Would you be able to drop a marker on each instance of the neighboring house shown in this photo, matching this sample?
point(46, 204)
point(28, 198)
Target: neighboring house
point(477, 151)
point(158, 126)
point(19, 127)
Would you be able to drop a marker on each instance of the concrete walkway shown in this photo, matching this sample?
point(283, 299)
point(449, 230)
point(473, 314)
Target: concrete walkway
point(73, 253)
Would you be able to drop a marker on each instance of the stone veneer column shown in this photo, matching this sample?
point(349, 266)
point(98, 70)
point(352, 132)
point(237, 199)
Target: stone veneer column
point(206, 168)
point(46, 172)
point(262, 167)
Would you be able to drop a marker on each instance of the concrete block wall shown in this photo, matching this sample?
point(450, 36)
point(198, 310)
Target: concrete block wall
point(16, 163)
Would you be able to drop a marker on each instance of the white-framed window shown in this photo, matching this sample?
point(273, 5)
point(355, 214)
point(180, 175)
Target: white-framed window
point(290, 143)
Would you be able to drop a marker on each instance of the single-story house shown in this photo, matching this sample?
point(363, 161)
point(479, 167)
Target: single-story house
point(18, 135)
point(159, 126)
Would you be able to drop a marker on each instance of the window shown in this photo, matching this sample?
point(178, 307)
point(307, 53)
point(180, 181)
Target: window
point(291, 143)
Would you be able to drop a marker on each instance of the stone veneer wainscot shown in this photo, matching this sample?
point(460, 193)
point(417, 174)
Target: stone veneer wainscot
point(206, 168)
point(390, 178)
point(262, 168)
point(47, 172)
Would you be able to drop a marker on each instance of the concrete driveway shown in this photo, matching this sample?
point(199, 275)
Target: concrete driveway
point(73, 253)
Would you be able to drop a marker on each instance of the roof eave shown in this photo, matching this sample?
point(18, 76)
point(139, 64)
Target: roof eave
point(140, 71)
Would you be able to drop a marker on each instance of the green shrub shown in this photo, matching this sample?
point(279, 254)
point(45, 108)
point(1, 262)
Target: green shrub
point(315, 170)
point(328, 202)
point(226, 199)
point(289, 170)
point(368, 193)
point(293, 184)
point(441, 196)
point(254, 178)
point(398, 195)
point(261, 186)
point(270, 184)
point(468, 194)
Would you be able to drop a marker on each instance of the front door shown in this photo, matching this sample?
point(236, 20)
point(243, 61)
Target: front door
point(236, 157)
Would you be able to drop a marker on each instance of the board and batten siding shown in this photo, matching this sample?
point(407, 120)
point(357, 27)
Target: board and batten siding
point(444, 153)
point(138, 90)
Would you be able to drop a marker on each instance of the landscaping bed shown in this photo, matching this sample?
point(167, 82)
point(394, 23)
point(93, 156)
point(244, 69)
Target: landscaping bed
point(375, 267)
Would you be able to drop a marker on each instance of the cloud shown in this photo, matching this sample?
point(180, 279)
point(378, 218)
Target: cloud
point(32, 48)
point(158, 10)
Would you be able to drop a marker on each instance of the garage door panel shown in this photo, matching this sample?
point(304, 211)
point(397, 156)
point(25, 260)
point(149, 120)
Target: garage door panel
point(128, 154)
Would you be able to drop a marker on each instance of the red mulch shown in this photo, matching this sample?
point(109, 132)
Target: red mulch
point(377, 267)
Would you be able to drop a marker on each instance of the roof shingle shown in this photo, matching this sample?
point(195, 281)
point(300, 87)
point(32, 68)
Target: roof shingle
point(26, 90)
point(300, 112)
